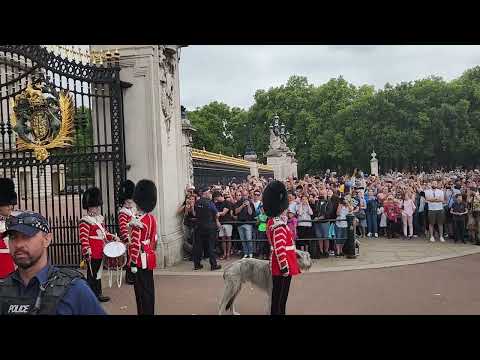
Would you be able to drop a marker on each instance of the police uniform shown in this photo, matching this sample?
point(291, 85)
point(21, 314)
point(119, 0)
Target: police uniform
point(52, 291)
point(283, 259)
point(206, 232)
point(93, 236)
point(142, 258)
point(125, 216)
point(8, 196)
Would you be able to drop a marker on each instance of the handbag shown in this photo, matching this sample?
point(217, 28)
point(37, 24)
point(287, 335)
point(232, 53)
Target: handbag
point(360, 215)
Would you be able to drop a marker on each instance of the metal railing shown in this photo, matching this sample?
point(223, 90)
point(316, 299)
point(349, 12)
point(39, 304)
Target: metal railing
point(348, 247)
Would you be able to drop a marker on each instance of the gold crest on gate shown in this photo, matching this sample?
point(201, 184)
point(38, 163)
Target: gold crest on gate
point(42, 119)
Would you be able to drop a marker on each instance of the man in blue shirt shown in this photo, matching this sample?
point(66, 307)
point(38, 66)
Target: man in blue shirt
point(36, 287)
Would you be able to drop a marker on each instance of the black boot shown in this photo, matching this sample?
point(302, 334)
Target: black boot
point(103, 298)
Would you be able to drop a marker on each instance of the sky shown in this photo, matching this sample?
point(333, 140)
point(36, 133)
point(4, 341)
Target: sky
point(231, 74)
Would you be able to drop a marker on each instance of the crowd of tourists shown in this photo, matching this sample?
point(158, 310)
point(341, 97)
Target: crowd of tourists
point(438, 206)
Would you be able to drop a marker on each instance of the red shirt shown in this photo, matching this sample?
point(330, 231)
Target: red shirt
point(7, 266)
point(93, 235)
point(283, 254)
point(144, 239)
point(124, 217)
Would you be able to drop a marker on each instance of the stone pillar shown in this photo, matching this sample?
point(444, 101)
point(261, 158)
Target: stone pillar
point(153, 135)
point(252, 159)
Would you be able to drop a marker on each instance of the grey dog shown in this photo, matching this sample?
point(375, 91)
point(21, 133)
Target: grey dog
point(258, 273)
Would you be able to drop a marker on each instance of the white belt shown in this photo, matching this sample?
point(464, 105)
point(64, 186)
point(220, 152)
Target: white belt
point(292, 247)
point(4, 251)
point(96, 238)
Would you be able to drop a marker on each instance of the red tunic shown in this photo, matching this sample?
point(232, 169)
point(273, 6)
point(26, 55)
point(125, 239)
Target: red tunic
point(124, 217)
point(7, 266)
point(143, 239)
point(93, 235)
point(283, 255)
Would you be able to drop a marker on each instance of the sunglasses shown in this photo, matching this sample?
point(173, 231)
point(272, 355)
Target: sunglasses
point(29, 221)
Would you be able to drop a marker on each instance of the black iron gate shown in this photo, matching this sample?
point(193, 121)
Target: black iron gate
point(53, 185)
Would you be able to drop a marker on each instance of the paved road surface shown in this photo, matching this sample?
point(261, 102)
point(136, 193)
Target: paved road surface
point(442, 287)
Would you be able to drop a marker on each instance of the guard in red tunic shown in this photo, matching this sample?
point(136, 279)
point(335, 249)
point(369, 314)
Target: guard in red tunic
point(93, 236)
point(283, 258)
point(143, 245)
point(125, 216)
point(8, 198)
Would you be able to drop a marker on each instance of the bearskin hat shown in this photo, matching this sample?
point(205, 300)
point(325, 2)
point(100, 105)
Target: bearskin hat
point(92, 197)
point(8, 196)
point(126, 191)
point(145, 195)
point(275, 199)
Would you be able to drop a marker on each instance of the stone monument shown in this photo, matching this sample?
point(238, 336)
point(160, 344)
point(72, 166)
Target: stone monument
point(279, 156)
point(155, 136)
point(374, 164)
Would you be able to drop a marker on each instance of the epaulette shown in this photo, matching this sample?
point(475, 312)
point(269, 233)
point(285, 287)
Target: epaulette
point(277, 221)
point(91, 220)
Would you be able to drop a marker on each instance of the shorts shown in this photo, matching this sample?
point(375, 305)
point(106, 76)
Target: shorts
point(436, 217)
point(226, 230)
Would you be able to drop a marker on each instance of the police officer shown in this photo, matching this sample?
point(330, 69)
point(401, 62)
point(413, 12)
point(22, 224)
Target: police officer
point(206, 231)
point(36, 287)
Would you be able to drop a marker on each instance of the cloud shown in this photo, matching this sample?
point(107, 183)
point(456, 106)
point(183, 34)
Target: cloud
point(231, 74)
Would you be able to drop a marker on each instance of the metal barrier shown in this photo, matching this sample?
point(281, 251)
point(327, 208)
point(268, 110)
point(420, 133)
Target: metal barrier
point(348, 249)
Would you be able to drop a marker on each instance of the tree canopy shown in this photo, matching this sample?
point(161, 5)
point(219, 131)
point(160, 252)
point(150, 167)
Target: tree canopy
point(425, 123)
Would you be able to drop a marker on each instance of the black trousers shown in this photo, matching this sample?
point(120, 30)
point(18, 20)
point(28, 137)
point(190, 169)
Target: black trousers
point(95, 285)
point(129, 277)
point(207, 238)
point(459, 229)
point(144, 292)
point(281, 287)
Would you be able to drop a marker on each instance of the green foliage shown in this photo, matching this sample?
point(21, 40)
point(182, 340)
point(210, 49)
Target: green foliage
point(428, 122)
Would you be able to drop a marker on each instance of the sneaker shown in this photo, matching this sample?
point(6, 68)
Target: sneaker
point(432, 239)
point(245, 256)
point(442, 239)
point(369, 235)
point(198, 267)
point(103, 298)
point(415, 236)
point(376, 235)
point(216, 267)
point(331, 253)
point(251, 256)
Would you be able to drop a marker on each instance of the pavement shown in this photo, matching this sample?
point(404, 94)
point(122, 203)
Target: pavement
point(391, 276)
point(374, 253)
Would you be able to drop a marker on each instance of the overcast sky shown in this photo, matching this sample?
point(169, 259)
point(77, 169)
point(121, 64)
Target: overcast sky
point(232, 74)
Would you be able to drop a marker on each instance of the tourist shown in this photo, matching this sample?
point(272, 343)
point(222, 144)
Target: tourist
point(304, 227)
point(341, 226)
point(436, 214)
point(408, 208)
point(371, 213)
point(244, 209)
point(459, 210)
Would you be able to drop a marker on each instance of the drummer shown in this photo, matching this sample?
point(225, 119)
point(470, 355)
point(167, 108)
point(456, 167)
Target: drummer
point(93, 236)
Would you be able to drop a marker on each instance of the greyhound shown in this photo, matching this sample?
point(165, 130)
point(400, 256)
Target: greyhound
point(258, 273)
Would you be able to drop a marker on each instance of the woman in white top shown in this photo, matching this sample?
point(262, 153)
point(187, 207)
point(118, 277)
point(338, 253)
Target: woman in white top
point(341, 226)
point(408, 208)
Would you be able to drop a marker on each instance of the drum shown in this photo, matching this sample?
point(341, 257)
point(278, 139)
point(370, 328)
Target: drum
point(115, 259)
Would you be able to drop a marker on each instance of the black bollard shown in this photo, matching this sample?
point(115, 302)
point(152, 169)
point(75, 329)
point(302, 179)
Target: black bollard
point(349, 246)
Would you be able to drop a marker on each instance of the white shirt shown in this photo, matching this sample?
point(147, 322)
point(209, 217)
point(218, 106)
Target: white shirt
point(436, 194)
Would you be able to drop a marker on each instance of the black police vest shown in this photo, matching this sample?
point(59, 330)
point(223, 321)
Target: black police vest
point(205, 215)
point(50, 294)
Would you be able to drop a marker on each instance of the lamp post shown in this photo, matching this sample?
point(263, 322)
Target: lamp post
point(249, 150)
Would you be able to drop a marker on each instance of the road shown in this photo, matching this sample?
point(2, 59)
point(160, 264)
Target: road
point(442, 287)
